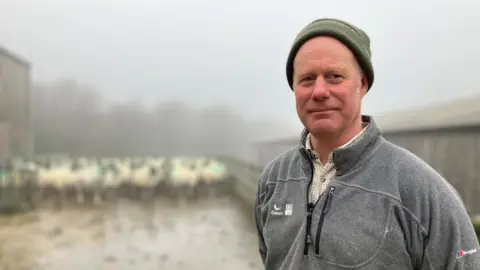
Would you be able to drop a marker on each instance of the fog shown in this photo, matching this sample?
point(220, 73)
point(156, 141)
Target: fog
point(223, 56)
point(73, 118)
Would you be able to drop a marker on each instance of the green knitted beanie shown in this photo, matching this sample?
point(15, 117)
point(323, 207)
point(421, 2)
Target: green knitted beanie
point(353, 37)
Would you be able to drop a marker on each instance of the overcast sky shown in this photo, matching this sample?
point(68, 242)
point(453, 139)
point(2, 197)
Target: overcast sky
point(235, 51)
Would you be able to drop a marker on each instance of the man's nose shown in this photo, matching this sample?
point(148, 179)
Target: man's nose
point(320, 89)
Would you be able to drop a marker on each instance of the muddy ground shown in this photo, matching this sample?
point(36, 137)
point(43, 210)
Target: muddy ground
point(209, 234)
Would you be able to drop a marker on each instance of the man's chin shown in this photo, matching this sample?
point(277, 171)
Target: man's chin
point(323, 126)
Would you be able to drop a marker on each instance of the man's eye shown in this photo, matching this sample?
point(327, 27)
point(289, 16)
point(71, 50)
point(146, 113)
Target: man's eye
point(308, 78)
point(334, 76)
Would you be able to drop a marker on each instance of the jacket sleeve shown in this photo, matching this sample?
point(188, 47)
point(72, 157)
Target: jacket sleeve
point(451, 242)
point(259, 224)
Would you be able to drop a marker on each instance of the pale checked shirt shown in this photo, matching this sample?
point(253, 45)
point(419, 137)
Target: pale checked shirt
point(323, 173)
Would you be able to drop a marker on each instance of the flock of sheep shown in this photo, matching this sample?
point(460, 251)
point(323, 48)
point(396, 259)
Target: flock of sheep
point(91, 180)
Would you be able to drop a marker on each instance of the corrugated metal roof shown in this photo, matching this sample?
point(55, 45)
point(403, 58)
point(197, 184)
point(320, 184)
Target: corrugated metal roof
point(14, 56)
point(460, 112)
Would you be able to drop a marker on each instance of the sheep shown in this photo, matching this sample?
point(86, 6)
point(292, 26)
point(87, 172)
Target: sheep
point(144, 180)
point(124, 174)
point(215, 176)
point(184, 176)
point(87, 180)
point(110, 180)
point(141, 177)
point(56, 181)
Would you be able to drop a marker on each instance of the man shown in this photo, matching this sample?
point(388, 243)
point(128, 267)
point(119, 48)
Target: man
point(346, 198)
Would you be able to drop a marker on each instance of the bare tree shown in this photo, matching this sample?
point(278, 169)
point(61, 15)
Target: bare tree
point(73, 118)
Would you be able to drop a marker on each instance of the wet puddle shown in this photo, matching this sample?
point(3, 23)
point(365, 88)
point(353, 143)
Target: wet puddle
point(211, 234)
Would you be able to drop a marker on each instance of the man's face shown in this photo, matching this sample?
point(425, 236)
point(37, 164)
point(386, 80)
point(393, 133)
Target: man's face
point(328, 86)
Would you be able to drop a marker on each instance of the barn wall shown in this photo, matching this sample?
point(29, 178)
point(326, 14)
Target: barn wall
point(15, 103)
point(454, 153)
point(4, 140)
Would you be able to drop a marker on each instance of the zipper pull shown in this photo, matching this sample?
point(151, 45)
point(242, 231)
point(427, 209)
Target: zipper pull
point(309, 239)
point(329, 199)
point(310, 208)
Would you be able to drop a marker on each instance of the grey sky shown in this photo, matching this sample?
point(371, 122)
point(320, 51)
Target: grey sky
point(235, 51)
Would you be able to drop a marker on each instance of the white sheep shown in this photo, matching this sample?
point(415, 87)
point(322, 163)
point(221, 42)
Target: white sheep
point(211, 170)
point(184, 175)
point(58, 179)
point(87, 180)
point(110, 179)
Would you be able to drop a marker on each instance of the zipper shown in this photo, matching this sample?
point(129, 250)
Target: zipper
point(310, 207)
point(308, 237)
point(326, 206)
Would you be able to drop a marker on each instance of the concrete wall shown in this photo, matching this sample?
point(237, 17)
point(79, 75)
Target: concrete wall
point(15, 102)
point(246, 179)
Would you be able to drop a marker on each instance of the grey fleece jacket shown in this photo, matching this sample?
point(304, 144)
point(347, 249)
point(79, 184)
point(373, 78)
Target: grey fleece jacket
point(384, 209)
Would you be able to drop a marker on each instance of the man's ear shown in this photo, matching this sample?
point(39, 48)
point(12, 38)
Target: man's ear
point(364, 85)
